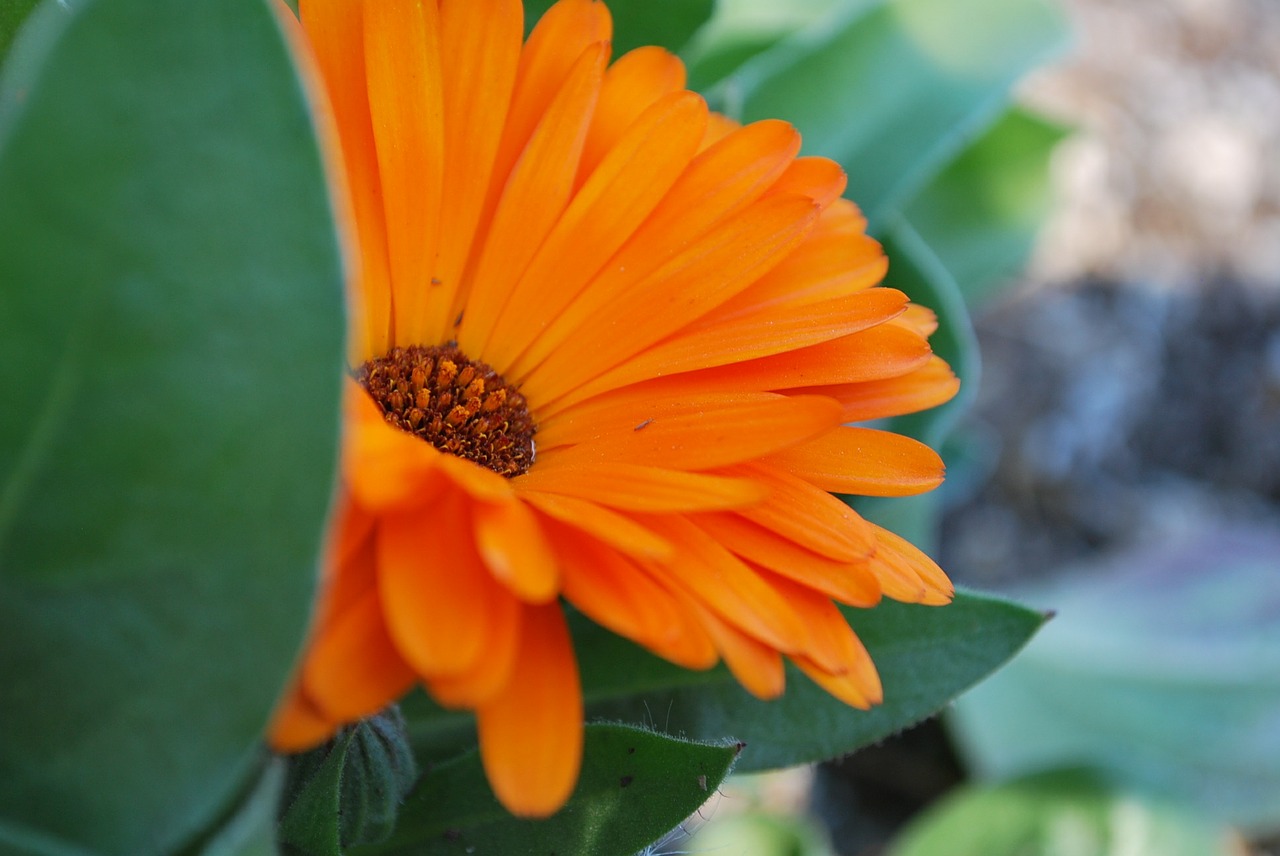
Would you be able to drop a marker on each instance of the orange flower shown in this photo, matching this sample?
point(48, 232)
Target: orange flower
point(606, 350)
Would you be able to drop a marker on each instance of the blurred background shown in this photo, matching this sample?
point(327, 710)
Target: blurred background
point(1120, 466)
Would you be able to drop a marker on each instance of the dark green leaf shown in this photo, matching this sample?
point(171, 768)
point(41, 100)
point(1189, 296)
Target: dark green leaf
point(635, 786)
point(310, 825)
point(12, 15)
point(1063, 813)
point(916, 79)
point(171, 354)
point(1162, 670)
point(742, 29)
point(915, 268)
point(251, 830)
point(926, 657)
point(981, 214)
point(668, 23)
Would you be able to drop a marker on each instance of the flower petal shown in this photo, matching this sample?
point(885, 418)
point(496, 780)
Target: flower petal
point(435, 591)
point(516, 552)
point(617, 530)
point(864, 461)
point(849, 582)
point(335, 29)
point(402, 54)
point(640, 488)
point(708, 432)
point(531, 732)
point(634, 82)
point(906, 573)
point(532, 200)
point(807, 515)
point(354, 669)
point(613, 592)
point(480, 49)
point(605, 212)
point(928, 386)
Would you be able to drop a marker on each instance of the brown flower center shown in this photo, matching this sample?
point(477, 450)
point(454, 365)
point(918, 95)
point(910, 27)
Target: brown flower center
point(459, 405)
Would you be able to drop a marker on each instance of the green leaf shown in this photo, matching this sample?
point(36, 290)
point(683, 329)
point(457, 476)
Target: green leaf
point(668, 23)
point(171, 354)
point(981, 214)
point(926, 657)
point(1061, 813)
point(349, 790)
point(310, 824)
point(635, 786)
point(915, 268)
point(251, 830)
point(1162, 671)
point(741, 29)
point(917, 80)
point(12, 15)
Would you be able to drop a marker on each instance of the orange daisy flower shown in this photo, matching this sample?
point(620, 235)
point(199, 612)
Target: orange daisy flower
point(607, 346)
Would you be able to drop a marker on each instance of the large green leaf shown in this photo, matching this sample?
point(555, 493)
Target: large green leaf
point(669, 23)
point(171, 352)
point(1064, 814)
point(981, 214)
point(1162, 671)
point(635, 785)
point(926, 657)
point(12, 14)
point(916, 79)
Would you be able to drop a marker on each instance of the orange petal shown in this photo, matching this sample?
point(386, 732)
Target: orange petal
point(920, 319)
point(828, 264)
point(633, 487)
point(436, 593)
point(707, 433)
point(384, 467)
point(718, 184)
point(480, 47)
point(558, 39)
point(832, 645)
point(491, 673)
point(859, 688)
point(621, 193)
point(481, 483)
point(297, 725)
point(719, 580)
point(613, 592)
point(884, 351)
point(757, 666)
point(531, 732)
point(864, 461)
point(807, 515)
point(849, 582)
point(690, 284)
point(617, 530)
point(353, 669)
point(402, 52)
point(764, 332)
point(820, 179)
point(928, 386)
point(634, 82)
point(514, 549)
point(533, 199)
point(335, 32)
point(906, 573)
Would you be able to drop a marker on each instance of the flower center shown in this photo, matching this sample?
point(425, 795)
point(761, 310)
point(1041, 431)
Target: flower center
point(459, 405)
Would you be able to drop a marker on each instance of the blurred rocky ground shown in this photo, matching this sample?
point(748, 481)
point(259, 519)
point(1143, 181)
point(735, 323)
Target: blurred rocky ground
point(1131, 380)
